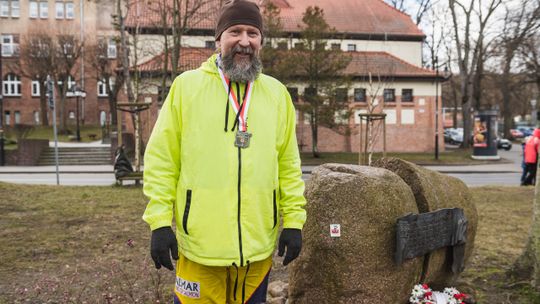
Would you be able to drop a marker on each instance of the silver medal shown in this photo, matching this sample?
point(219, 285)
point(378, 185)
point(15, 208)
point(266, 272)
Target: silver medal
point(242, 139)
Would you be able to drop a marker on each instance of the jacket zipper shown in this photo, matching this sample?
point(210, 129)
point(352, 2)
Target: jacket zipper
point(186, 211)
point(275, 210)
point(240, 205)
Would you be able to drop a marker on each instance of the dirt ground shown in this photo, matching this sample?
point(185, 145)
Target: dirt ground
point(90, 245)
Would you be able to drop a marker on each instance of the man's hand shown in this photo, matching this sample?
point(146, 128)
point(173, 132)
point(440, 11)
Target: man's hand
point(163, 240)
point(292, 239)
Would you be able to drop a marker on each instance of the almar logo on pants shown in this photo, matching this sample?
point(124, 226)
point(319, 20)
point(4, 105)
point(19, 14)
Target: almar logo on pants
point(187, 288)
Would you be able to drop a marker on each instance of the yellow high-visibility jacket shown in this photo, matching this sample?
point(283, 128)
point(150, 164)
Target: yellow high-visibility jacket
point(227, 201)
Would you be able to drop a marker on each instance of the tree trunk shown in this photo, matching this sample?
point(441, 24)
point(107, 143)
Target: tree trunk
point(63, 118)
point(466, 110)
point(113, 111)
point(314, 137)
point(43, 107)
point(505, 92)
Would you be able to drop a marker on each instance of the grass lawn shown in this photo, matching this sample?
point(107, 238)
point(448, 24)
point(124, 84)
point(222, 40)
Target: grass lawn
point(450, 157)
point(89, 245)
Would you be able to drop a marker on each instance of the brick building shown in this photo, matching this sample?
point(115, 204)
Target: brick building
point(384, 44)
point(89, 23)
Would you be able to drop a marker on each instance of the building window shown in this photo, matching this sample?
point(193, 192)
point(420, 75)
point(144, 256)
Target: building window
point(71, 85)
point(12, 85)
point(44, 10)
point(282, 45)
point(35, 88)
point(351, 47)
point(70, 10)
point(310, 92)
point(59, 10)
point(10, 45)
point(299, 45)
point(360, 94)
point(389, 94)
point(335, 46)
point(111, 48)
point(17, 117)
point(209, 44)
point(33, 9)
point(294, 93)
point(102, 88)
point(4, 8)
point(71, 115)
point(15, 9)
point(36, 118)
point(406, 95)
point(341, 94)
point(102, 118)
point(7, 120)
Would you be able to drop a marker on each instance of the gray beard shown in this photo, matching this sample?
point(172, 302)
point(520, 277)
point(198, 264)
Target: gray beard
point(241, 72)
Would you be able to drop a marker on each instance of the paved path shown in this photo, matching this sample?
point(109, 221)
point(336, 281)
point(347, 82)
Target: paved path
point(506, 174)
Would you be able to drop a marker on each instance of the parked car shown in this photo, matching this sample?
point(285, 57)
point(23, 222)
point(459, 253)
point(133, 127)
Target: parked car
point(453, 136)
point(515, 133)
point(527, 131)
point(503, 143)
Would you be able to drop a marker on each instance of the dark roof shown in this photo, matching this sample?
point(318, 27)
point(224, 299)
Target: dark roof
point(362, 64)
point(190, 58)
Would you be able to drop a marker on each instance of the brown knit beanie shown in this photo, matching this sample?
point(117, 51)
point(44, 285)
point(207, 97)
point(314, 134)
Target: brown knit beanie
point(238, 12)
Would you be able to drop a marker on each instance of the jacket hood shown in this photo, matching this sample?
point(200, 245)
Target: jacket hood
point(210, 65)
point(536, 133)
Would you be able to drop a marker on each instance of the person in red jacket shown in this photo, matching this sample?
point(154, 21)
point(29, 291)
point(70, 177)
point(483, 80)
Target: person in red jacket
point(531, 157)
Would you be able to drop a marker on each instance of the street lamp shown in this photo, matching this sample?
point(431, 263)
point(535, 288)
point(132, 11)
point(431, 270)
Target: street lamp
point(446, 75)
point(77, 92)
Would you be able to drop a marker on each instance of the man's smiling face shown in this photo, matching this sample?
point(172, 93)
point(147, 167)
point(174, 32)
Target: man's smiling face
point(240, 45)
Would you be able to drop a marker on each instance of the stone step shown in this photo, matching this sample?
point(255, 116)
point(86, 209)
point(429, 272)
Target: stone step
point(76, 156)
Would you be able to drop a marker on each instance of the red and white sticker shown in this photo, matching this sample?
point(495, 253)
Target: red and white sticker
point(335, 230)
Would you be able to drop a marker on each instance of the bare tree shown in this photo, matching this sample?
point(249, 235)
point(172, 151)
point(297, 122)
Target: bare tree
point(38, 51)
point(107, 72)
point(417, 9)
point(68, 51)
point(531, 54)
point(519, 25)
point(469, 46)
point(175, 19)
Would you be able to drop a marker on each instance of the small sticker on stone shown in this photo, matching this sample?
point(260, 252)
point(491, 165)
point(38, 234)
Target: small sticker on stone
point(335, 230)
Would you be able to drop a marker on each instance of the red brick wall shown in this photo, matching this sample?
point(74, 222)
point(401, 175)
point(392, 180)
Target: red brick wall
point(417, 137)
point(28, 152)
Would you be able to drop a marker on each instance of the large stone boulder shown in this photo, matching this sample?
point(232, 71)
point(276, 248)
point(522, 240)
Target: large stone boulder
point(432, 191)
point(357, 267)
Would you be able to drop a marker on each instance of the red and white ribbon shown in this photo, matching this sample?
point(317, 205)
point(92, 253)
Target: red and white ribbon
point(242, 118)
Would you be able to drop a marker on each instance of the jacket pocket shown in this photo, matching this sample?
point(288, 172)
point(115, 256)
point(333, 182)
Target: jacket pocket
point(186, 211)
point(275, 210)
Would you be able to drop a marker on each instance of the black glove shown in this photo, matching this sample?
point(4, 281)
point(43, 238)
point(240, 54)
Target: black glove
point(163, 240)
point(292, 239)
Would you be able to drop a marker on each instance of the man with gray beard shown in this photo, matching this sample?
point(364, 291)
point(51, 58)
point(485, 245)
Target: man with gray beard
point(227, 183)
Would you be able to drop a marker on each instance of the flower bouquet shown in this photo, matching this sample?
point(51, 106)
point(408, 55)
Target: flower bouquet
point(422, 294)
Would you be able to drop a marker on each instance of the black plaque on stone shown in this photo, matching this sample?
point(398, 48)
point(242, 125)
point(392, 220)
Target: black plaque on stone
point(419, 234)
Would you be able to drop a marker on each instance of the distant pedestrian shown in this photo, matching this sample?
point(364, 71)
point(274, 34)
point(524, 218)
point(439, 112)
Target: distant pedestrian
point(523, 166)
point(531, 157)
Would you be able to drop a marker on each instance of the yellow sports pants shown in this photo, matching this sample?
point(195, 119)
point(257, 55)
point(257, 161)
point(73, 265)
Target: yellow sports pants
point(196, 283)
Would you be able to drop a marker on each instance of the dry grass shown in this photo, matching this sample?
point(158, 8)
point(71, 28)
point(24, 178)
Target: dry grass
point(89, 245)
point(504, 218)
point(76, 245)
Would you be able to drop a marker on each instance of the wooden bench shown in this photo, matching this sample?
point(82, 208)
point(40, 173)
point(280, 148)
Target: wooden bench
point(134, 176)
point(92, 136)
